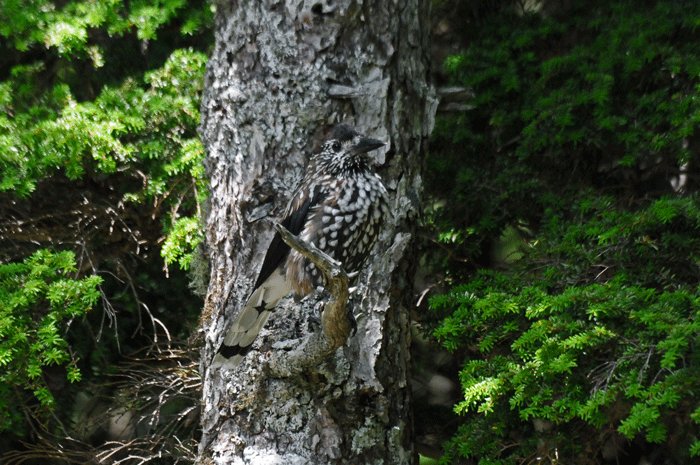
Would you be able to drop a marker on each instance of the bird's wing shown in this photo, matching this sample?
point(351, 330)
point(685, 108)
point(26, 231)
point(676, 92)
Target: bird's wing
point(271, 285)
point(293, 221)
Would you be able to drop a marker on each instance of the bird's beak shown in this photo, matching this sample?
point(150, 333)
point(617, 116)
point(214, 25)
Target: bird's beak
point(366, 144)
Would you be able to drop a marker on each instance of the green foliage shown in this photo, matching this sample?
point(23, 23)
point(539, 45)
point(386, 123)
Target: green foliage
point(559, 105)
point(144, 125)
point(29, 23)
point(598, 324)
point(184, 237)
point(99, 108)
point(577, 129)
point(127, 127)
point(39, 299)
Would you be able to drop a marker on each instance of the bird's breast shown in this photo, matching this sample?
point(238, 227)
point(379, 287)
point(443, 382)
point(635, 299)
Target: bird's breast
point(345, 226)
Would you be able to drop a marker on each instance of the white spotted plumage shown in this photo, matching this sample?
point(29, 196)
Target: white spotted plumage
point(338, 208)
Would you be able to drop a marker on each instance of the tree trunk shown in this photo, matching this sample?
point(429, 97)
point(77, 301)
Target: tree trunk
point(281, 74)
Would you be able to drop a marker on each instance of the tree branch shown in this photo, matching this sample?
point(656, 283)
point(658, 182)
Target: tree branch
point(336, 325)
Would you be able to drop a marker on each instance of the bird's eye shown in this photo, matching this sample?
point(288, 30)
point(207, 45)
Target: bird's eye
point(336, 146)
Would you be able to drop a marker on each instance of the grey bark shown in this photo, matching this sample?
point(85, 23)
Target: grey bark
point(280, 75)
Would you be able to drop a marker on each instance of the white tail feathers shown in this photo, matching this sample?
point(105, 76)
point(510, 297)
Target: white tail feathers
point(251, 319)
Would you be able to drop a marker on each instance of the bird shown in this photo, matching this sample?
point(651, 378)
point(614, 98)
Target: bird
point(339, 207)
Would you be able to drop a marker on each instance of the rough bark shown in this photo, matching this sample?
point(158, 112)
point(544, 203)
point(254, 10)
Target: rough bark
point(281, 74)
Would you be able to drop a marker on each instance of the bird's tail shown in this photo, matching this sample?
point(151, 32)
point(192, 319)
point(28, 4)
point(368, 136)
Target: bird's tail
point(250, 320)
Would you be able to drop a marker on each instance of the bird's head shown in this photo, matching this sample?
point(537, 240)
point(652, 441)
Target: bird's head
point(346, 150)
